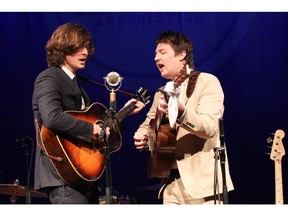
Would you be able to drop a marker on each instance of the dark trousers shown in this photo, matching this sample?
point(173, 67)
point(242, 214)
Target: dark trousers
point(68, 195)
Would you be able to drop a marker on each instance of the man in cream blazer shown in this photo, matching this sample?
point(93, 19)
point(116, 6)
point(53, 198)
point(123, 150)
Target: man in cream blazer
point(200, 105)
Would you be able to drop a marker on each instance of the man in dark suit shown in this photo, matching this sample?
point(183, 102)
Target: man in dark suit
point(55, 91)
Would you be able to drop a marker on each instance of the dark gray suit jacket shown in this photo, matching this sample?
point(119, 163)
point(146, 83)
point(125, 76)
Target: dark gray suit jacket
point(54, 92)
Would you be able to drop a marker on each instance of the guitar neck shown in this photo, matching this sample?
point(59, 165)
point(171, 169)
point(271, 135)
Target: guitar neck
point(277, 152)
point(124, 112)
point(278, 183)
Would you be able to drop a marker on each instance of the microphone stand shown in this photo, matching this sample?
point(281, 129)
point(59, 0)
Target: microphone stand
point(222, 160)
point(25, 145)
point(110, 116)
point(113, 82)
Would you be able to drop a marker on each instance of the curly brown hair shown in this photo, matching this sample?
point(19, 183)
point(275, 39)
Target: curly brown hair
point(178, 42)
point(67, 40)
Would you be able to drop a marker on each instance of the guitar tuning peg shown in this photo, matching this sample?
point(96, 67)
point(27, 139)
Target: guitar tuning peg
point(269, 140)
point(266, 153)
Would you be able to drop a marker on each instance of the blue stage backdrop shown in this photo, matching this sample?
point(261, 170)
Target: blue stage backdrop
point(247, 51)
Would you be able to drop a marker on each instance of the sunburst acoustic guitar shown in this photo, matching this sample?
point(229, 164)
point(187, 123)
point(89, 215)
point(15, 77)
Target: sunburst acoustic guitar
point(78, 162)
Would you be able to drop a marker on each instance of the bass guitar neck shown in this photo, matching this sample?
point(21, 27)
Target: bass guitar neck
point(277, 152)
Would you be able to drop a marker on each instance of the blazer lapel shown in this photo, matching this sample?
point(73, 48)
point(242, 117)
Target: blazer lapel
point(74, 87)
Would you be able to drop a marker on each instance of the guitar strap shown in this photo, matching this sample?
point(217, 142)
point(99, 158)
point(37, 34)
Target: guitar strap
point(191, 86)
point(192, 82)
point(190, 89)
point(38, 141)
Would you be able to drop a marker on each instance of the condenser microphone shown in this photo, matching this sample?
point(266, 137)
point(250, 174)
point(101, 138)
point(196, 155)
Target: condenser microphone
point(113, 82)
point(113, 79)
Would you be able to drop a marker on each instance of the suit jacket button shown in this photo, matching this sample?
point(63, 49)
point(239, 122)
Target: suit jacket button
point(190, 124)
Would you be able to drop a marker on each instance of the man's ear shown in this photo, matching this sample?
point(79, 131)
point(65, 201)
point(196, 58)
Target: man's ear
point(182, 55)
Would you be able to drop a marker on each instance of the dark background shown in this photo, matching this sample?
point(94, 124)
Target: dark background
point(247, 51)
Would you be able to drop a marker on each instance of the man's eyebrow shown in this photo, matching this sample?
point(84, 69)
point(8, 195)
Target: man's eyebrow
point(160, 50)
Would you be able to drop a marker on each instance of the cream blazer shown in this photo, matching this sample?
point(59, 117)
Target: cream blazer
point(198, 135)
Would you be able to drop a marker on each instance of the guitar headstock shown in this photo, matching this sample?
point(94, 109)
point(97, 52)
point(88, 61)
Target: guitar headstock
point(142, 95)
point(181, 76)
point(277, 151)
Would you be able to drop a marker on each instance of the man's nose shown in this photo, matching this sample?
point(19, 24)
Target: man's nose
point(156, 58)
point(85, 50)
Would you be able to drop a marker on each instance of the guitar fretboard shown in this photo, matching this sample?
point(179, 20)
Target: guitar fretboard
point(123, 113)
point(278, 182)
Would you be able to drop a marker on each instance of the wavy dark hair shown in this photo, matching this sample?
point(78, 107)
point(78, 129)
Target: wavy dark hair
point(67, 40)
point(179, 42)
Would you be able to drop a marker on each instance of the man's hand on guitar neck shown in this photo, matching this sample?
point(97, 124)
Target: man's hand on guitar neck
point(138, 104)
point(141, 138)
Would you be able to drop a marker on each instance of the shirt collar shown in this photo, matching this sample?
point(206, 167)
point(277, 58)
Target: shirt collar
point(68, 72)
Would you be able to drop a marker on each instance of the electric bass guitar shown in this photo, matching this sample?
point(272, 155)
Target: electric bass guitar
point(78, 162)
point(277, 152)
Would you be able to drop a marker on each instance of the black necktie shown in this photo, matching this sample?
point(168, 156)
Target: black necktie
point(75, 80)
point(76, 83)
point(78, 93)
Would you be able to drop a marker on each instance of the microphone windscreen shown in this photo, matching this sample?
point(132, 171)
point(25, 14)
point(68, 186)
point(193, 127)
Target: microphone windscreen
point(113, 78)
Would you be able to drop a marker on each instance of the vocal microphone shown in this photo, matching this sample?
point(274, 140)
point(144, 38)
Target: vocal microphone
point(113, 82)
point(25, 140)
point(113, 79)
